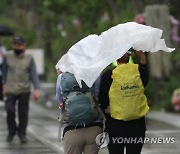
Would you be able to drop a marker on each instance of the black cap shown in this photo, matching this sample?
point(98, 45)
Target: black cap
point(130, 51)
point(19, 40)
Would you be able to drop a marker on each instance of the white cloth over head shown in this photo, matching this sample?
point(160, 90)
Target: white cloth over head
point(88, 57)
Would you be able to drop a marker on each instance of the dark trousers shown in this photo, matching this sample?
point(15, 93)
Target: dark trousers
point(23, 108)
point(125, 134)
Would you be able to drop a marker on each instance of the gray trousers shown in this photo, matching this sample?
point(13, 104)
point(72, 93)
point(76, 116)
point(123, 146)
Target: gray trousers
point(78, 141)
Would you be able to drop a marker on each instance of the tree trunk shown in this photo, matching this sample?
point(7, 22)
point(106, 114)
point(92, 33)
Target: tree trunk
point(160, 62)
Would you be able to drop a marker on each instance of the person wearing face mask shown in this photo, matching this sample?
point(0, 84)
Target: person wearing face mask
point(19, 71)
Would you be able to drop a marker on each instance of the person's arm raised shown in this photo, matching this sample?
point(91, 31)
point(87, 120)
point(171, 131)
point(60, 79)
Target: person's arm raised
point(141, 56)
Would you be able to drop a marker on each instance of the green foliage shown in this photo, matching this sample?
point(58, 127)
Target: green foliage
point(149, 90)
point(169, 85)
point(176, 55)
point(102, 26)
point(167, 89)
point(48, 24)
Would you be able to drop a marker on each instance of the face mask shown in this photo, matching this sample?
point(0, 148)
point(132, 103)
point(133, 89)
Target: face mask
point(18, 52)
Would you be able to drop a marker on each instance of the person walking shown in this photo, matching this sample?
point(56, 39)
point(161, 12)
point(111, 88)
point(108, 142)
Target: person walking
point(19, 71)
point(81, 119)
point(124, 104)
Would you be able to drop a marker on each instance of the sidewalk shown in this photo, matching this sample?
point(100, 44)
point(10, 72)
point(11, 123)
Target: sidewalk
point(42, 133)
point(163, 125)
point(155, 128)
point(169, 118)
point(43, 128)
point(33, 146)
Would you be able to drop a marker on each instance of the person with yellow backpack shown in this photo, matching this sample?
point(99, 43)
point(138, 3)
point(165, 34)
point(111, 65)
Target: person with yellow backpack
point(125, 105)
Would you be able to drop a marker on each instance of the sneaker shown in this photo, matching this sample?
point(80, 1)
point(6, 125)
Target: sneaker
point(23, 139)
point(10, 138)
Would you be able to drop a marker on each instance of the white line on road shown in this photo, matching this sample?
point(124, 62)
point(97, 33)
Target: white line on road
point(42, 139)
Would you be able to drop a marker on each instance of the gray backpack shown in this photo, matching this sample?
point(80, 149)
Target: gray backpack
point(78, 102)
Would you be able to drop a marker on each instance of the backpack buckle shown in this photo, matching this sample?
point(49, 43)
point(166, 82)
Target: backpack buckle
point(76, 88)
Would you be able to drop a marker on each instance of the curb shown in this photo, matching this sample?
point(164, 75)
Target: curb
point(168, 118)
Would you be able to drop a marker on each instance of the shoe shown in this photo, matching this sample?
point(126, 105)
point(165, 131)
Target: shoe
point(23, 139)
point(10, 138)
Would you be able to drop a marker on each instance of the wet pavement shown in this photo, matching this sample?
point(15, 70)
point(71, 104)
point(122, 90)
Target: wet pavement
point(165, 138)
point(169, 139)
point(43, 131)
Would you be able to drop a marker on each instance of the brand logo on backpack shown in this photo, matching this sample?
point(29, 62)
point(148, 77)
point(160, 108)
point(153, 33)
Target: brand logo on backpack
point(129, 87)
